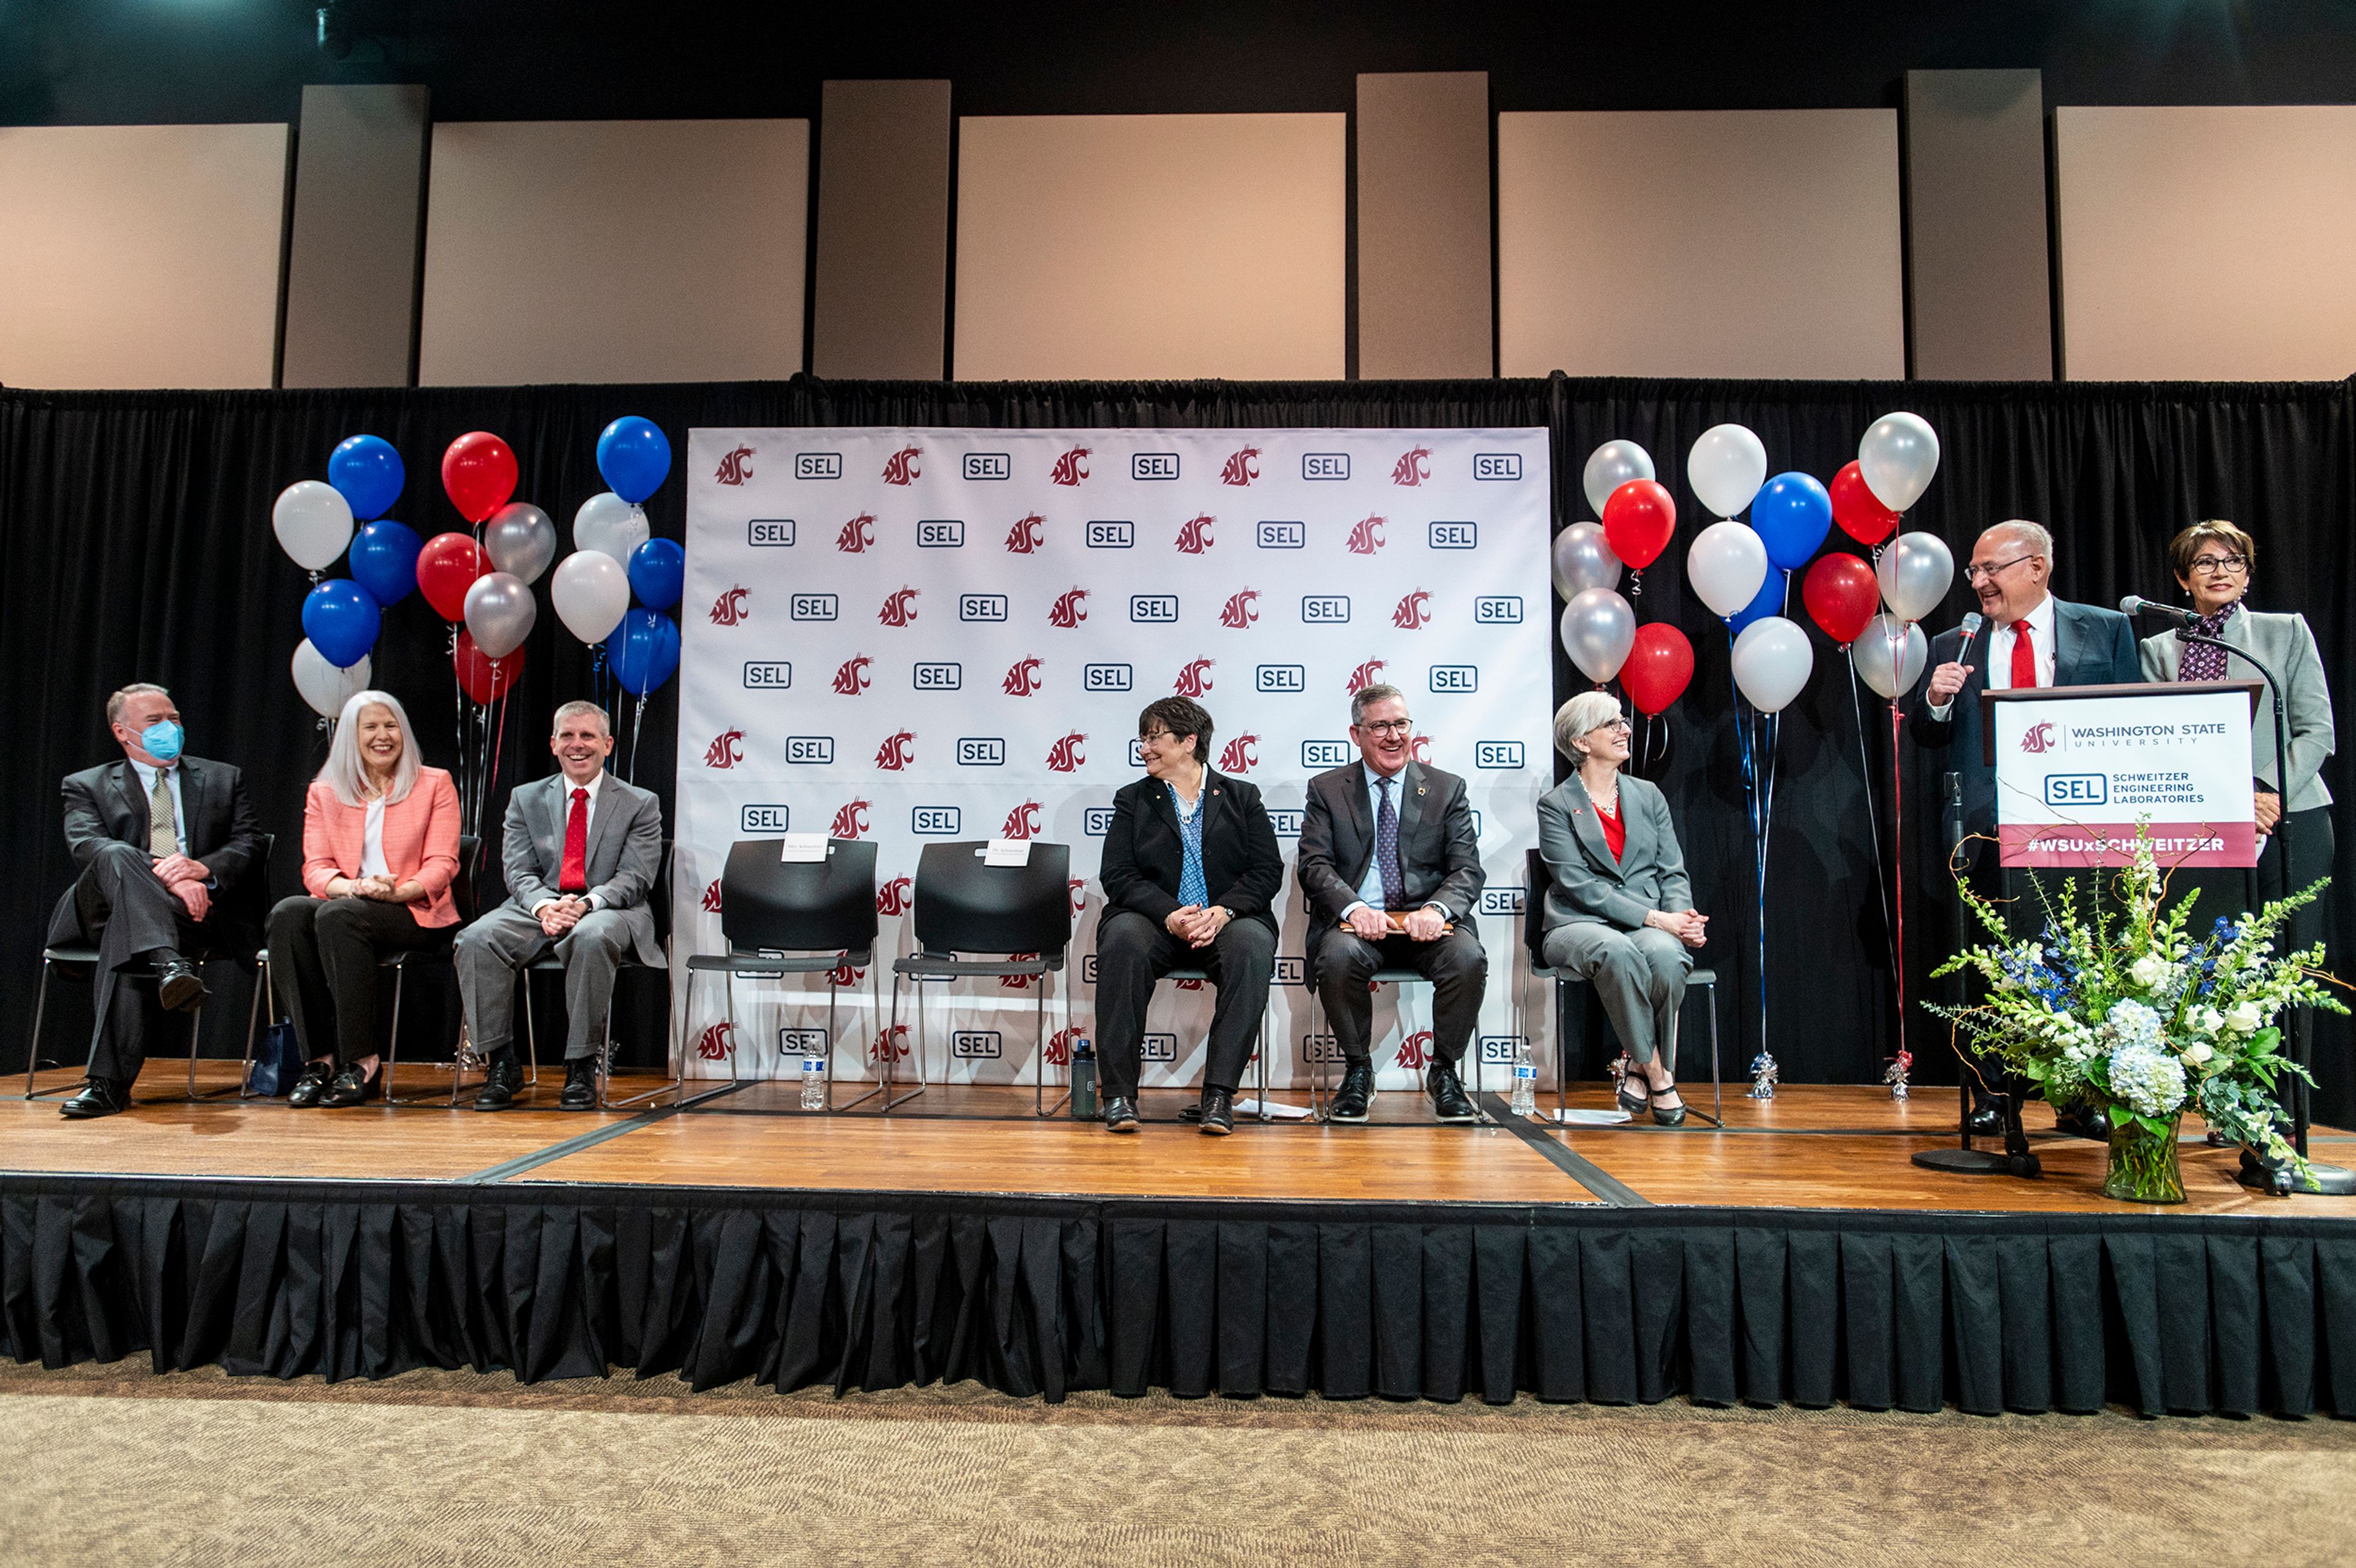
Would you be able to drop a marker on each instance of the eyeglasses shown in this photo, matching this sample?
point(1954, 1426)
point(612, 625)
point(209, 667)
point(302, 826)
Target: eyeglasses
point(1618, 726)
point(2215, 563)
point(1389, 727)
point(1155, 735)
point(1974, 572)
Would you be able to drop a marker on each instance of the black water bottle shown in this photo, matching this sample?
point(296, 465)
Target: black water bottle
point(1084, 1080)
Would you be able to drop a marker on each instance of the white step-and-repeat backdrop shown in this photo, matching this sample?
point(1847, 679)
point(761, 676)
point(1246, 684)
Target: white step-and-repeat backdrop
point(915, 635)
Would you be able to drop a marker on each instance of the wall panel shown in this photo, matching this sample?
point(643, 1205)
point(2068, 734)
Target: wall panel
point(1423, 225)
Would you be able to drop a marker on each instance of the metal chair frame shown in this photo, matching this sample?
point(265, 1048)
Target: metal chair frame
point(1259, 1054)
point(1321, 1098)
point(923, 966)
point(751, 965)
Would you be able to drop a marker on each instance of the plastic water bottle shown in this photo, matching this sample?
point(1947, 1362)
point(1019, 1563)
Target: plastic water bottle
point(1085, 1107)
point(1526, 1081)
point(813, 1082)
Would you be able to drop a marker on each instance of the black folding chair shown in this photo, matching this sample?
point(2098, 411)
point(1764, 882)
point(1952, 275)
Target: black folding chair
point(800, 917)
point(462, 893)
point(1259, 1051)
point(964, 906)
point(658, 902)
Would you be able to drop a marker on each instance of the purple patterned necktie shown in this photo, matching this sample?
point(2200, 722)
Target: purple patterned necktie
point(1386, 849)
point(2199, 661)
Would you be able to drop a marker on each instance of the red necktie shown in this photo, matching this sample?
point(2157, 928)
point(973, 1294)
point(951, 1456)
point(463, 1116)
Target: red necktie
point(572, 877)
point(2024, 658)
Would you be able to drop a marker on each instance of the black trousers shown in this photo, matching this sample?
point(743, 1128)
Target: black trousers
point(1343, 963)
point(1132, 953)
point(129, 914)
point(323, 967)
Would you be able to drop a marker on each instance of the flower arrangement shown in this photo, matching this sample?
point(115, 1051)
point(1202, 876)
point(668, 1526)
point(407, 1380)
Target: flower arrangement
point(2131, 1013)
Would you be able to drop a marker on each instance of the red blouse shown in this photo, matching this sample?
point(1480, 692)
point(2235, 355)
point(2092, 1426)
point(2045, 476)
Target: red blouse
point(1615, 836)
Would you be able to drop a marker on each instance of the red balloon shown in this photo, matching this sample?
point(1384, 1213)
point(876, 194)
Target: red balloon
point(485, 679)
point(479, 473)
point(1861, 516)
point(1841, 594)
point(1658, 667)
point(1638, 518)
point(446, 567)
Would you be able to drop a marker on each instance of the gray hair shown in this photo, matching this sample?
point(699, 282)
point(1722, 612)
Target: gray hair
point(137, 689)
point(346, 774)
point(1589, 710)
point(2034, 535)
point(575, 710)
point(1366, 697)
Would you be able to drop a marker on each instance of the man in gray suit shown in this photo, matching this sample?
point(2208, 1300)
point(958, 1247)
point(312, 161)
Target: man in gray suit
point(581, 854)
point(1391, 872)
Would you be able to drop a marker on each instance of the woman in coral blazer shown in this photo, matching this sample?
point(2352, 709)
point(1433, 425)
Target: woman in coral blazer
point(380, 849)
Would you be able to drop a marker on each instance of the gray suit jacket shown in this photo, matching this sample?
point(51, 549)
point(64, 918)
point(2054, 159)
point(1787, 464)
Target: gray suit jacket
point(1589, 884)
point(625, 851)
point(2288, 646)
point(1440, 857)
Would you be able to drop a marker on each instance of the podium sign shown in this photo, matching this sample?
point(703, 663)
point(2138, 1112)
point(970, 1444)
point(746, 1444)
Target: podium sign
point(2076, 766)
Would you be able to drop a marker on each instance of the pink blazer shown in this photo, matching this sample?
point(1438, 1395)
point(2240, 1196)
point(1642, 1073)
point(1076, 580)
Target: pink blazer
point(421, 842)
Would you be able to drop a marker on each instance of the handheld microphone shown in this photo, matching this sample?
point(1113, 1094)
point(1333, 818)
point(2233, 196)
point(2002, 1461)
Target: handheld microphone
point(1970, 625)
point(2131, 606)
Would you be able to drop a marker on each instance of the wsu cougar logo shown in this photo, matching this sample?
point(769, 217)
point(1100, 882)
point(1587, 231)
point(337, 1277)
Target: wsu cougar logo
point(1059, 1044)
point(2038, 737)
point(1242, 468)
point(1027, 535)
point(896, 752)
point(727, 750)
point(1364, 676)
point(734, 468)
point(1070, 610)
point(899, 609)
point(1239, 612)
point(1419, 748)
point(1239, 756)
point(891, 1044)
point(712, 1045)
point(1079, 896)
point(856, 535)
point(1412, 468)
point(1366, 536)
point(851, 821)
point(1018, 982)
point(712, 898)
point(892, 897)
point(1194, 535)
point(901, 466)
point(851, 679)
point(1070, 468)
point(1066, 756)
point(1415, 1051)
point(1413, 610)
point(844, 975)
point(1022, 678)
point(728, 609)
point(1023, 822)
point(1191, 681)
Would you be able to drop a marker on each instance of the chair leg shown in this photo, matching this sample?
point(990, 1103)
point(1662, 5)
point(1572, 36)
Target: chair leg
point(1561, 1052)
point(252, 1016)
point(1039, 1081)
point(1717, 1091)
point(888, 1069)
point(33, 1048)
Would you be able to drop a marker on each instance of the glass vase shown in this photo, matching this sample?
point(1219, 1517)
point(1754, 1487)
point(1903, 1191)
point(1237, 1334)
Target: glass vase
point(2143, 1166)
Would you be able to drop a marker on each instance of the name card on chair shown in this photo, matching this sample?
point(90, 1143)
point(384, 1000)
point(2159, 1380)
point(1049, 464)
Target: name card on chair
point(802, 849)
point(1007, 852)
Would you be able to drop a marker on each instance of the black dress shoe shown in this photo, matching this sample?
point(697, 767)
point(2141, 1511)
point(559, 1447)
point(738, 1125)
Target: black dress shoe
point(351, 1086)
point(1984, 1121)
point(1356, 1092)
point(580, 1085)
point(180, 985)
point(1120, 1115)
point(502, 1082)
point(312, 1084)
point(1218, 1112)
point(2083, 1124)
point(1448, 1101)
point(99, 1097)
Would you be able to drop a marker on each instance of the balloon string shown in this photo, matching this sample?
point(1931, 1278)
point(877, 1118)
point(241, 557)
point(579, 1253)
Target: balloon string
point(1872, 818)
point(1898, 860)
point(458, 688)
point(635, 721)
point(1636, 582)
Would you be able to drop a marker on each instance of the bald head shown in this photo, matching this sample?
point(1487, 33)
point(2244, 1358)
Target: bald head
point(2010, 568)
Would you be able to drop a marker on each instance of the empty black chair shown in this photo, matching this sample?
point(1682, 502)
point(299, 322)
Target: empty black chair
point(790, 917)
point(964, 906)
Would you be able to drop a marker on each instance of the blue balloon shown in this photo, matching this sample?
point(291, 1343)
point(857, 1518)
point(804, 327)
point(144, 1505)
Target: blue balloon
point(1793, 513)
point(634, 457)
point(367, 471)
point(342, 622)
point(642, 650)
point(657, 573)
point(384, 560)
point(1768, 601)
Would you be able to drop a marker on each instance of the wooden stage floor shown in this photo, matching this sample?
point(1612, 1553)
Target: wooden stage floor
point(1811, 1147)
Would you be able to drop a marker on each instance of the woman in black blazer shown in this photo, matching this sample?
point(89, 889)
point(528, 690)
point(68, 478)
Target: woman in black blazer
point(1190, 869)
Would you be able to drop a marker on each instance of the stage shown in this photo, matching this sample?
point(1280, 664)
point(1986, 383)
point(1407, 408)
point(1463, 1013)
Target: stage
point(1795, 1256)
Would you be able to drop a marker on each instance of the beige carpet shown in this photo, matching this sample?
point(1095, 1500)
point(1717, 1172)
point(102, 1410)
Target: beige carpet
point(109, 1464)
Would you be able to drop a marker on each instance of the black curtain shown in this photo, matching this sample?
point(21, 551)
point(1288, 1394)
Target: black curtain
point(135, 544)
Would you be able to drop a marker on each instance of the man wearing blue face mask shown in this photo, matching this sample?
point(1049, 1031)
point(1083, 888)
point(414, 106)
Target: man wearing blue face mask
point(159, 838)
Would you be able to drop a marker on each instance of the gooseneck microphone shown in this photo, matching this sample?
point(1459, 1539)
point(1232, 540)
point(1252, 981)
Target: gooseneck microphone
point(2131, 606)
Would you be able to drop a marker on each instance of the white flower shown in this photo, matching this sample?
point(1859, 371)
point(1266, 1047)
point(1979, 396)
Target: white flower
point(2244, 1018)
point(2198, 1052)
point(2149, 971)
point(2207, 1019)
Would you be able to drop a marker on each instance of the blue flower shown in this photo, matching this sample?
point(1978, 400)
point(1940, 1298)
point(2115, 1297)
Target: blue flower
point(2149, 1079)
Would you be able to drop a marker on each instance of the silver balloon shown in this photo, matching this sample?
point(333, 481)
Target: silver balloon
point(322, 685)
point(610, 526)
point(1608, 466)
point(1598, 630)
point(520, 539)
point(1915, 573)
point(1890, 655)
point(1896, 459)
point(499, 613)
point(1583, 560)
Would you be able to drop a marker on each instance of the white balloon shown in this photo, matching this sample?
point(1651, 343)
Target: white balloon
point(1896, 459)
point(1726, 563)
point(520, 539)
point(1772, 661)
point(610, 526)
point(1726, 467)
point(1583, 560)
point(1889, 653)
point(313, 522)
point(500, 611)
point(1610, 465)
point(322, 685)
point(591, 592)
point(1598, 629)
point(1915, 573)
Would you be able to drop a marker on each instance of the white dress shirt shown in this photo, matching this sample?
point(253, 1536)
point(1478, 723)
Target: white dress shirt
point(2040, 622)
point(372, 841)
point(1370, 887)
point(147, 793)
point(588, 827)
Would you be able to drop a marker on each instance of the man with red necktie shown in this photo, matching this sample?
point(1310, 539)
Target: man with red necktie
point(581, 853)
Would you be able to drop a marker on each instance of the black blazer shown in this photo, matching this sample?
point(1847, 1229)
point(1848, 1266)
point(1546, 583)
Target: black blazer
point(105, 805)
point(1439, 856)
point(1145, 857)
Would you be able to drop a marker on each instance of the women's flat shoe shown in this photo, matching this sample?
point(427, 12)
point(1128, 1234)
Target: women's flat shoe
point(351, 1087)
point(313, 1083)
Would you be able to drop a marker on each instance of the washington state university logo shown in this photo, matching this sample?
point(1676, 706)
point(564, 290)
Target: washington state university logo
point(1059, 1046)
point(851, 679)
point(1070, 468)
point(851, 821)
point(1239, 756)
point(1066, 756)
point(1194, 535)
point(1242, 468)
point(727, 750)
point(1413, 610)
point(1415, 1051)
point(1079, 896)
point(1186, 985)
point(857, 535)
point(1019, 981)
point(1192, 680)
point(1070, 610)
point(1023, 822)
point(899, 609)
point(728, 609)
point(1419, 748)
point(2038, 738)
point(712, 1045)
point(900, 468)
point(1366, 536)
point(890, 1044)
point(1239, 612)
point(1022, 678)
point(844, 975)
point(896, 752)
point(734, 468)
point(1025, 537)
point(1413, 467)
point(712, 898)
point(1364, 676)
point(892, 897)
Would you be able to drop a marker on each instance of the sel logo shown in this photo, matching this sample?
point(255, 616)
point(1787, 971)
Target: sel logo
point(1154, 609)
point(1137, 753)
point(1280, 677)
point(1325, 609)
point(769, 531)
point(895, 753)
point(1194, 534)
point(1364, 676)
point(1320, 1048)
point(1497, 610)
point(801, 1042)
point(1288, 970)
point(934, 821)
point(1413, 467)
point(1455, 536)
point(1104, 677)
point(851, 821)
point(1238, 611)
point(768, 674)
point(1193, 681)
point(1285, 821)
point(981, 606)
point(1240, 755)
point(1095, 821)
point(1023, 822)
point(810, 751)
point(1455, 678)
point(1064, 756)
point(1324, 465)
point(982, 752)
point(1498, 1050)
point(987, 465)
point(1366, 536)
point(1414, 610)
point(1242, 468)
point(1326, 753)
point(1496, 465)
point(1145, 465)
point(1497, 754)
point(974, 1044)
point(1022, 678)
point(727, 750)
point(941, 533)
point(892, 897)
point(754, 821)
point(1503, 901)
point(1027, 535)
point(812, 607)
point(1070, 609)
point(1111, 535)
point(1159, 1045)
point(736, 467)
point(1283, 536)
point(1070, 468)
point(900, 468)
point(816, 465)
point(899, 608)
point(728, 609)
point(851, 679)
point(857, 535)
